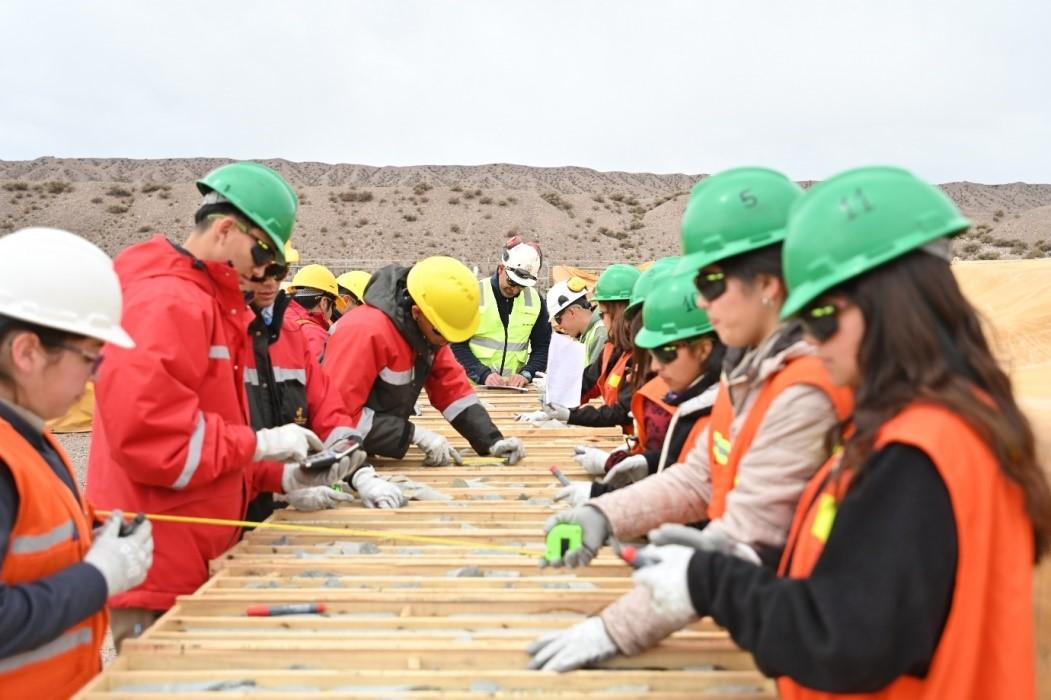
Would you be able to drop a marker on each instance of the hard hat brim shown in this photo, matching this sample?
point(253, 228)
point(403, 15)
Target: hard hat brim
point(519, 280)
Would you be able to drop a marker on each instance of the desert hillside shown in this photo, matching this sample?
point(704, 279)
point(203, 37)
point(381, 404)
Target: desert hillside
point(363, 216)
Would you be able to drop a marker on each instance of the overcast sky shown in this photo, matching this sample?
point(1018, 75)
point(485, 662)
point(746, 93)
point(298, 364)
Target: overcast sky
point(954, 89)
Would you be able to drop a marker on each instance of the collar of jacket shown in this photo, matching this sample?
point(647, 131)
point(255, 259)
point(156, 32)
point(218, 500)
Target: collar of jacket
point(755, 365)
point(387, 292)
point(28, 424)
point(700, 385)
point(702, 401)
point(274, 329)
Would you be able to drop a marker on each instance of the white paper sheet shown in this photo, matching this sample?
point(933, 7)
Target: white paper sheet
point(565, 371)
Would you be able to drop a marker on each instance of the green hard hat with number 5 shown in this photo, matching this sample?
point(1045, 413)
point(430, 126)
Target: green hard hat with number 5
point(856, 221)
point(257, 192)
point(671, 313)
point(616, 282)
point(734, 212)
point(649, 278)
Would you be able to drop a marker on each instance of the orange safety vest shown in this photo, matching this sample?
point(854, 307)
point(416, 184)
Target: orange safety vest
point(987, 646)
point(724, 454)
point(612, 377)
point(695, 434)
point(51, 532)
point(653, 391)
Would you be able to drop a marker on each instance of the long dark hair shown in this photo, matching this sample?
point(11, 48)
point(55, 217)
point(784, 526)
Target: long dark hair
point(640, 357)
point(924, 341)
point(619, 331)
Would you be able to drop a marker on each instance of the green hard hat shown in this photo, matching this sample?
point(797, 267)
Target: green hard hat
point(671, 313)
point(260, 194)
point(856, 221)
point(734, 212)
point(616, 282)
point(646, 281)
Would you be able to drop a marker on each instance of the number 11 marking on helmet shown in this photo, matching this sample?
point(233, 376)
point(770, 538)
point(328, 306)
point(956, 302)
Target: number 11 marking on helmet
point(855, 205)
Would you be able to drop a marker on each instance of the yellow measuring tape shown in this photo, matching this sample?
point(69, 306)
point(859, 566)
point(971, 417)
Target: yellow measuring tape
point(321, 529)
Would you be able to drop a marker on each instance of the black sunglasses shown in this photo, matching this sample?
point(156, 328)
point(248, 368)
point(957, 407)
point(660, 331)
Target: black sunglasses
point(666, 354)
point(710, 285)
point(263, 252)
point(820, 321)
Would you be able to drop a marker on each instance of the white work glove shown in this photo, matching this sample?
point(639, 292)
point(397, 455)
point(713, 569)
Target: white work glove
point(596, 531)
point(667, 582)
point(511, 449)
point(591, 458)
point(627, 471)
point(286, 443)
point(532, 417)
point(576, 494)
point(556, 412)
point(581, 645)
point(540, 382)
point(439, 452)
point(295, 478)
point(122, 561)
point(315, 498)
point(337, 439)
point(710, 539)
point(375, 492)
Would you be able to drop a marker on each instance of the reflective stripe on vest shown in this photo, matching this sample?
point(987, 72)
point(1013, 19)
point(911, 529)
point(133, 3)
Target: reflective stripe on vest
point(987, 647)
point(726, 449)
point(51, 532)
point(504, 350)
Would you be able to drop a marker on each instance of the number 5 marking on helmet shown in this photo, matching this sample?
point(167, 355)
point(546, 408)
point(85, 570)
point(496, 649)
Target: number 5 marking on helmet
point(748, 199)
point(855, 205)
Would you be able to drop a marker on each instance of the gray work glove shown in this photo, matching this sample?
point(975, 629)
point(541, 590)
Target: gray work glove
point(511, 449)
point(375, 492)
point(122, 561)
point(315, 498)
point(591, 458)
point(295, 477)
point(532, 417)
point(581, 645)
point(710, 539)
point(556, 412)
point(438, 451)
point(627, 471)
point(596, 531)
point(576, 494)
point(286, 443)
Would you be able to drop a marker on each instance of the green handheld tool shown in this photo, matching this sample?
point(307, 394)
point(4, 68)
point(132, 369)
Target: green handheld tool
point(562, 538)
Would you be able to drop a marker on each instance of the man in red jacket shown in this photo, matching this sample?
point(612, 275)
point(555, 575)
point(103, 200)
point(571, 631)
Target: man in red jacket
point(171, 432)
point(382, 355)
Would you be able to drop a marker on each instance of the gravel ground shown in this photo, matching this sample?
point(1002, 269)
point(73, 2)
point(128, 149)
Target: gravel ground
point(77, 445)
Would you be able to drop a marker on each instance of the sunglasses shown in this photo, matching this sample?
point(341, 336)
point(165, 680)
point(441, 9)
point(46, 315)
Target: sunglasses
point(820, 321)
point(710, 285)
point(520, 273)
point(666, 354)
point(92, 359)
point(263, 252)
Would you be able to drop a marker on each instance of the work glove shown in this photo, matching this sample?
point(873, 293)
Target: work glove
point(710, 539)
point(627, 471)
point(315, 498)
point(286, 443)
point(375, 492)
point(596, 530)
point(591, 458)
point(576, 494)
point(581, 645)
point(540, 382)
point(667, 582)
point(511, 449)
point(295, 477)
point(122, 561)
point(337, 439)
point(439, 452)
point(556, 412)
point(532, 417)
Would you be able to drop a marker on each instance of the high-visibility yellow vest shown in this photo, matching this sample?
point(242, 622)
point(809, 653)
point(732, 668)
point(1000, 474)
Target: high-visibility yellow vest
point(505, 351)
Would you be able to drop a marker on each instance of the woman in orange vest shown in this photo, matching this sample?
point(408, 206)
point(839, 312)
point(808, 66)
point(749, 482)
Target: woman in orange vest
point(765, 437)
point(55, 574)
point(611, 375)
point(908, 568)
point(685, 356)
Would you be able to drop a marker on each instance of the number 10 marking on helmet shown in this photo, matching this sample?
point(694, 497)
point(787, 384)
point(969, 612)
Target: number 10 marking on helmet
point(855, 205)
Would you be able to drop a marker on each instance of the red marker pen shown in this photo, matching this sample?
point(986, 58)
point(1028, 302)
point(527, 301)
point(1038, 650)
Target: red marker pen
point(293, 609)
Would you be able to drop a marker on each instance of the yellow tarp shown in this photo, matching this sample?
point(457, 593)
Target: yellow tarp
point(560, 273)
point(78, 419)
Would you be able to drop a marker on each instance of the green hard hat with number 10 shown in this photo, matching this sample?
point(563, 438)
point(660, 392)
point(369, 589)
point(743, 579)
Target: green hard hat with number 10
point(856, 221)
point(671, 313)
point(734, 212)
point(260, 194)
point(616, 282)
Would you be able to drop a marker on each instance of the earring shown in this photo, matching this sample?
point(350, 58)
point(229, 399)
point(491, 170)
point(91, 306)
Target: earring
point(766, 302)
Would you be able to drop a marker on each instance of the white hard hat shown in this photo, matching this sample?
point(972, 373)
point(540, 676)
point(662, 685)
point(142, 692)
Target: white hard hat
point(56, 279)
point(561, 296)
point(522, 263)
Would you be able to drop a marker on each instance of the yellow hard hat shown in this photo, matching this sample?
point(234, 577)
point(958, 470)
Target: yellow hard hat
point(447, 294)
point(320, 278)
point(291, 254)
point(354, 282)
